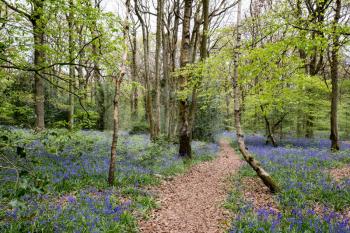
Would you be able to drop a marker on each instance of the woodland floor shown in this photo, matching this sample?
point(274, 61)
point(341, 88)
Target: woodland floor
point(193, 201)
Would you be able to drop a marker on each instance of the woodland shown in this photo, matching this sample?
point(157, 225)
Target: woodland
point(175, 116)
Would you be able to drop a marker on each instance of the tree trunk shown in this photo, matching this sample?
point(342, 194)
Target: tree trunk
point(117, 83)
point(145, 38)
point(71, 67)
point(269, 129)
point(167, 83)
point(299, 122)
point(270, 135)
point(334, 77)
point(203, 49)
point(184, 108)
point(203, 56)
point(157, 57)
point(100, 100)
point(228, 117)
point(112, 162)
point(39, 94)
point(134, 93)
point(173, 47)
point(347, 118)
point(309, 126)
point(265, 177)
point(97, 93)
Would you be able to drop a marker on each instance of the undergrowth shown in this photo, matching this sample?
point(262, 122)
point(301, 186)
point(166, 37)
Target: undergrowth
point(301, 171)
point(55, 181)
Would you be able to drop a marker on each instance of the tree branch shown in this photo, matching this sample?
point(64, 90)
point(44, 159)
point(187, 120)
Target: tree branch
point(28, 16)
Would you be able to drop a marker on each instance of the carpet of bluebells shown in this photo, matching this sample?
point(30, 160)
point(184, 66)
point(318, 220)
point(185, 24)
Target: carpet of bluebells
point(59, 184)
point(310, 200)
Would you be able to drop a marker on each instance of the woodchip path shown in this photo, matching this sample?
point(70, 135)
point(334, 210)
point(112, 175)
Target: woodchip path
point(192, 202)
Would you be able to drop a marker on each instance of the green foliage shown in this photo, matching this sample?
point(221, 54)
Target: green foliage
point(15, 99)
point(85, 120)
point(139, 128)
point(208, 121)
point(15, 158)
point(91, 29)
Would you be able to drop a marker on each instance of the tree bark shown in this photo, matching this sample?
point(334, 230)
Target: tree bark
point(334, 77)
point(265, 177)
point(299, 122)
point(160, 9)
point(71, 67)
point(228, 117)
point(117, 82)
point(39, 94)
point(269, 131)
point(112, 162)
point(184, 108)
point(145, 38)
point(167, 83)
point(203, 56)
point(173, 47)
point(309, 126)
point(100, 101)
point(203, 49)
point(134, 92)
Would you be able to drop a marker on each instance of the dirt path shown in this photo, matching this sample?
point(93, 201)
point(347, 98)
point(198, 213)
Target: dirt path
point(192, 202)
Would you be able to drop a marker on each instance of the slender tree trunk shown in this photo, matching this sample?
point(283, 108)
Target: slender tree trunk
point(39, 94)
point(269, 129)
point(167, 83)
point(134, 93)
point(97, 93)
point(195, 37)
point(347, 117)
point(203, 56)
point(144, 97)
point(160, 9)
point(112, 163)
point(270, 135)
point(203, 49)
point(71, 67)
point(228, 117)
point(145, 37)
point(334, 77)
point(265, 177)
point(299, 122)
point(184, 108)
point(173, 47)
point(309, 126)
point(117, 82)
point(309, 116)
point(100, 103)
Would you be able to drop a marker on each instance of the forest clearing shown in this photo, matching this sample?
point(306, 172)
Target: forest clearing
point(175, 116)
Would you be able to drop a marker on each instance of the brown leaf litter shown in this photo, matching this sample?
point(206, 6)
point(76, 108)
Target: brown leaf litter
point(192, 202)
point(340, 173)
point(255, 192)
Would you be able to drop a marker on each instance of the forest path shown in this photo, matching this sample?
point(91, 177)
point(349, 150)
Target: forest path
point(192, 202)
